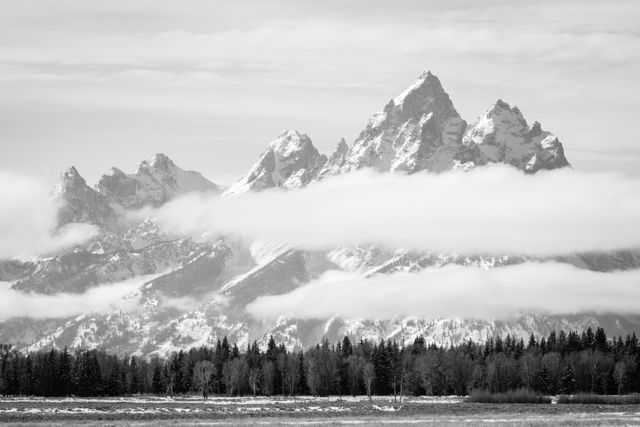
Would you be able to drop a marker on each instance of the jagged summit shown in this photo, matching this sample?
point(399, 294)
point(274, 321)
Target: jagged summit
point(420, 129)
point(416, 130)
point(425, 95)
point(71, 174)
point(335, 160)
point(80, 203)
point(502, 135)
point(156, 181)
point(158, 161)
point(289, 142)
point(69, 178)
point(290, 161)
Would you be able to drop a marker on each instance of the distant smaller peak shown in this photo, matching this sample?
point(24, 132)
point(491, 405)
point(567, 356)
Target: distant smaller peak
point(427, 74)
point(290, 141)
point(72, 175)
point(500, 104)
point(71, 172)
point(341, 149)
point(289, 133)
point(71, 178)
point(158, 161)
point(500, 107)
point(114, 172)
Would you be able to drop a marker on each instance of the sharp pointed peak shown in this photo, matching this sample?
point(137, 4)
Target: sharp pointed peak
point(70, 178)
point(290, 140)
point(427, 82)
point(71, 171)
point(71, 174)
point(427, 74)
point(341, 149)
point(157, 161)
point(160, 160)
point(500, 106)
point(424, 95)
point(290, 133)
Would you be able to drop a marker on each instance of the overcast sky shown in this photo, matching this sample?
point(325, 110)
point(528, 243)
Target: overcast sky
point(101, 84)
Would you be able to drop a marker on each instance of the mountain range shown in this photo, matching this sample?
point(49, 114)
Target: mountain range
point(196, 290)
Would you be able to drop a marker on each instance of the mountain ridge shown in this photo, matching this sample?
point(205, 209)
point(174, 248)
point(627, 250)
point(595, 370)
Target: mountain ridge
point(200, 288)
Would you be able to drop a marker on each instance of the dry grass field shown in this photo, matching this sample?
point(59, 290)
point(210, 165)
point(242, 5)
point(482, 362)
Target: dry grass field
point(306, 411)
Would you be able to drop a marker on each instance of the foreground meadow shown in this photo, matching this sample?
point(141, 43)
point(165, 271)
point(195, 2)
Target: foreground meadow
point(306, 410)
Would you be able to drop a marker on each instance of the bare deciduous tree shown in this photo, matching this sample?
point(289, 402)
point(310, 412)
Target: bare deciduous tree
point(368, 375)
point(202, 372)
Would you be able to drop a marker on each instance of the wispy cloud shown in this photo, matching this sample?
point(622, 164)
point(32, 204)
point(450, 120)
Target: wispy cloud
point(456, 291)
point(140, 77)
point(105, 298)
point(490, 210)
point(28, 220)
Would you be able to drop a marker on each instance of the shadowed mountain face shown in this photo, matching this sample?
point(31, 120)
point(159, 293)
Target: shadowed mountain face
point(201, 288)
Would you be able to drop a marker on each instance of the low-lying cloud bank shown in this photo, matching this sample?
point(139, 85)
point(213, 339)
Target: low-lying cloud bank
point(457, 291)
point(101, 299)
point(28, 220)
point(489, 210)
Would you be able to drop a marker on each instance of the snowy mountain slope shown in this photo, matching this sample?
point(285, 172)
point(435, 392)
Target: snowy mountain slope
point(79, 270)
point(200, 289)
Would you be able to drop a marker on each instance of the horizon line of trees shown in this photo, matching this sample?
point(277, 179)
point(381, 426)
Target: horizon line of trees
point(560, 363)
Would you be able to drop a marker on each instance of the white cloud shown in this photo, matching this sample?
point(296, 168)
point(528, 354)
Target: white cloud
point(105, 298)
point(490, 210)
point(457, 291)
point(28, 220)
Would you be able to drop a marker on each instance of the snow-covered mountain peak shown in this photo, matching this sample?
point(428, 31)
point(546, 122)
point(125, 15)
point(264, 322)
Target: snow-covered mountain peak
point(290, 161)
point(335, 160)
point(417, 130)
point(70, 178)
point(501, 109)
point(502, 135)
point(158, 161)
point(424, 96)
point(289, 142)
point(156, 180)
point(81, 203)
point(114, 172)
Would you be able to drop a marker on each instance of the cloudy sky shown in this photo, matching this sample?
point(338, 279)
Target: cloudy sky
point(98, 84)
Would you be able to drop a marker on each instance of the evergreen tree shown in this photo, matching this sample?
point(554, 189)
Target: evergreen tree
point(543, 381)
point(568, 381)
point(157, 386)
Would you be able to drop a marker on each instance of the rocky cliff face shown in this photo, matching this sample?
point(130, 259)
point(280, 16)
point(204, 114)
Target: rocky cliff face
point(83, 204)
point(200, 289)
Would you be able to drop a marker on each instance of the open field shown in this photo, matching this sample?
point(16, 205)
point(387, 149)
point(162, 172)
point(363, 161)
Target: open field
point(305, 410)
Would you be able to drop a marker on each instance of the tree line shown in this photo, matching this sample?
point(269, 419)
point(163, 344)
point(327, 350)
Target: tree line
point(560, 363)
